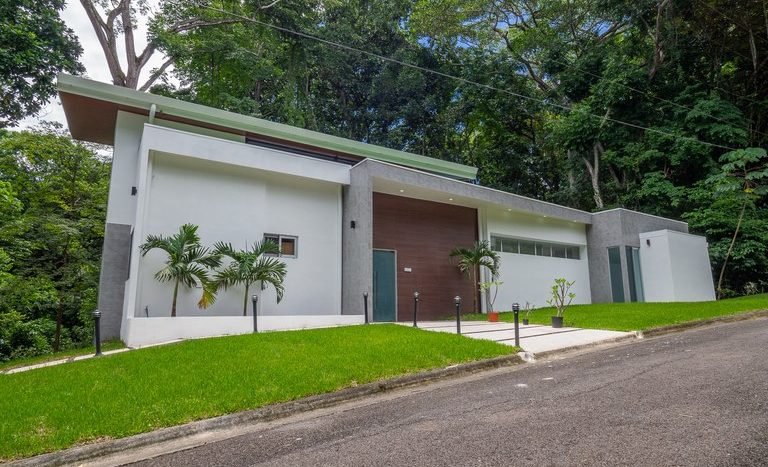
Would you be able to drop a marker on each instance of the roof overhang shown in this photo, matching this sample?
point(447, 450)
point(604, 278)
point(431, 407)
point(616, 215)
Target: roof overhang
point(91, 109)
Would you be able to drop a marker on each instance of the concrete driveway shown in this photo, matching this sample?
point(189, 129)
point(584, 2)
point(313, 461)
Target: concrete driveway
point(534, 338)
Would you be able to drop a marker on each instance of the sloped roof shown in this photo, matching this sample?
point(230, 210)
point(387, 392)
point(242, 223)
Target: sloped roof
point(91, 108)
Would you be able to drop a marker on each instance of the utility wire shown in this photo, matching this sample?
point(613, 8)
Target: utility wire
point(460, 79)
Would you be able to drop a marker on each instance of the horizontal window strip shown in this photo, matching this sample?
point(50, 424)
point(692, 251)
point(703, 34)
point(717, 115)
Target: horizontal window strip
point(533, 247)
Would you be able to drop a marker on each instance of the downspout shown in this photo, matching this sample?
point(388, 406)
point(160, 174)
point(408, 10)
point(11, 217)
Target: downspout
point(152, 110)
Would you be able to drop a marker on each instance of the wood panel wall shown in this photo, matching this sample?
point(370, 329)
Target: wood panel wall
point(423, 233)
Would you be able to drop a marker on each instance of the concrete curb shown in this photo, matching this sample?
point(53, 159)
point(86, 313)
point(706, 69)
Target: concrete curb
point(615, 340)
point(87, 452)
point(661, 330)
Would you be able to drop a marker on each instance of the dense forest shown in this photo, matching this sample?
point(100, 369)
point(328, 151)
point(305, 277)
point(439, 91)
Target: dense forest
point(653, 105)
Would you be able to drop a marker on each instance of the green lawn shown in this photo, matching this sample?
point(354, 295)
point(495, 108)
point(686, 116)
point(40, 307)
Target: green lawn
point(641, 316)
point(142, 390)
point(105, 346)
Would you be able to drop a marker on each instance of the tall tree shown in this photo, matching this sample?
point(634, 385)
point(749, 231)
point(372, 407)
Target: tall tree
point(112, 18)
point(35, 45)
point(54, 241)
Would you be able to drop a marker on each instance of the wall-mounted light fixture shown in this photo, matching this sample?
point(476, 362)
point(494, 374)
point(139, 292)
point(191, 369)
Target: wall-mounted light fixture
point(352, 224)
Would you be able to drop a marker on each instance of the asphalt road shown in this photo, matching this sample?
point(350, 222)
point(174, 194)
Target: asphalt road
point(694, 398)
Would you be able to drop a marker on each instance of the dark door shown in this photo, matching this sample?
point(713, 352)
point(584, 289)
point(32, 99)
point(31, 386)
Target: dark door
point(384, 289)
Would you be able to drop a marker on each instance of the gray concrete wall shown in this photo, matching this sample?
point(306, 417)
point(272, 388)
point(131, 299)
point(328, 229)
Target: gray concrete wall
point(449, 186)
point(622, 228)
point(114, 272)
point(357, 243)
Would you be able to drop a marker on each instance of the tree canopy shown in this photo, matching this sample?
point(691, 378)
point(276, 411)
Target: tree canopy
point(35, 45)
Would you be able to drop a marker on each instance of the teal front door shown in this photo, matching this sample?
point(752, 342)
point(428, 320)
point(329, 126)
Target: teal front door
point(384, 288)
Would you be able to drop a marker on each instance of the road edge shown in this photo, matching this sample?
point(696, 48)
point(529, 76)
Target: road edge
point(86, 452)
point(661, 330)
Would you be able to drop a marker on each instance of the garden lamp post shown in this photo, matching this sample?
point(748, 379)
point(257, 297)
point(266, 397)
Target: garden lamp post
point(255, 301)
point(97, 331)
point(516, 311)
point(365, 306)
point(457, 302)
point(415, 306)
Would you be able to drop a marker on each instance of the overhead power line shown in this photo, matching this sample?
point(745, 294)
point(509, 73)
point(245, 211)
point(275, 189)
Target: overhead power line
point(460, 79)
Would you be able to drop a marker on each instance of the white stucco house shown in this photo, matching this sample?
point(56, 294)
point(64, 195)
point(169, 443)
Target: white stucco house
point(351, 219)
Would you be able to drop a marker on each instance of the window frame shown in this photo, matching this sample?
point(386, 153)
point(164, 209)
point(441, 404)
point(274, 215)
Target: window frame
point(280, 238)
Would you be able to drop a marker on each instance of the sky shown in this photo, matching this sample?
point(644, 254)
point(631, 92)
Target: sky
point(93, 59)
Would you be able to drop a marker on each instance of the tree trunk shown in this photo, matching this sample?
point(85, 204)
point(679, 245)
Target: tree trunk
point(594, 173)
point(175, 294)
point(245, 301)
point(730, 250)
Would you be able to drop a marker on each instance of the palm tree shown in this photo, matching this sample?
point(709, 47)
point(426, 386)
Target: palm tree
point(188, 263)
point(471, 259)
point(251, 265)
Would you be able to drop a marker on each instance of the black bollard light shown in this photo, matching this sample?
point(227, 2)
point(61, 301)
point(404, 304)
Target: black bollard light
point(415, 306)
point(365, 306)
point(457, 302)
point(97, 331)
point(516, 311)
point(255, 301)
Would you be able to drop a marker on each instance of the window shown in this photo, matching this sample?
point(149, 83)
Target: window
point(634, 275)
point(543, 249)
point(529, 247)
point(573, 252)
point(287, 245)
point(616, 276)
point(509, 246)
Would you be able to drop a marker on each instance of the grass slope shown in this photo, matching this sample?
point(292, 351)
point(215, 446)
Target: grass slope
point(105, 346)
point(641, 316)
point(138, 391)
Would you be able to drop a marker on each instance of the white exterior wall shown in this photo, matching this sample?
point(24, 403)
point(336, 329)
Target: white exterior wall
point(235, 193)
point(675, 267)
point(156, 330)
point(121, 208)
point(237, 205)
point(529, 278)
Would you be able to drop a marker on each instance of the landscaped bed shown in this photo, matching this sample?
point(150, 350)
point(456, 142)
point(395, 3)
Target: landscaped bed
point(142, 390)
point(640, 316)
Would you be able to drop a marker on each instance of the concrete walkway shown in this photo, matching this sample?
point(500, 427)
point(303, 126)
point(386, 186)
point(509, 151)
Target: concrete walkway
point(534, 338)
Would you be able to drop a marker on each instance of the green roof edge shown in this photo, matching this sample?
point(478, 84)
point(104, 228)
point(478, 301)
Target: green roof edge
point(130, 97)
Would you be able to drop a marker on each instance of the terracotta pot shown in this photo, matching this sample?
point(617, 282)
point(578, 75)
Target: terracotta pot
point(493, 316)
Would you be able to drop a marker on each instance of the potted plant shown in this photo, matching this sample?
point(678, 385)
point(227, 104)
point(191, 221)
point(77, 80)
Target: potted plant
point(561, 299)
point(529, 308)
point(493, 316)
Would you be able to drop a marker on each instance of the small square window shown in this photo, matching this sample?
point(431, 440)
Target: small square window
point(286, 245)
